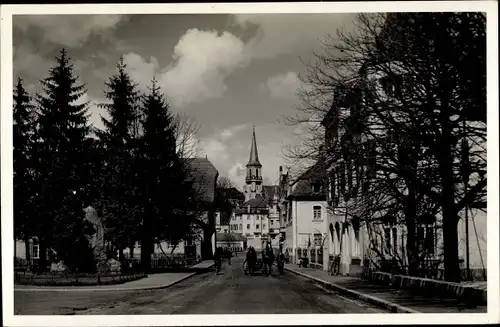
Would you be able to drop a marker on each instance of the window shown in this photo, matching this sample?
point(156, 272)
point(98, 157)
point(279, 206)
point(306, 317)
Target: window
point(317, 212)
point(257, 226)
point(257, 172)
point(316, 187)
point(391, 85)
point(257, 217)
point(387, 240)
point(248, 226)
point(35, 253)
point(272, 222)
point(395, 239)
point(429, 240)
point(342, 179)
point(240, 227)
point(264, 226)
point(317, 239)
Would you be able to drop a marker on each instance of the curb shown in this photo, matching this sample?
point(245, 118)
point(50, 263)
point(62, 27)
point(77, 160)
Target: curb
point(108, 289)
point(392, 307)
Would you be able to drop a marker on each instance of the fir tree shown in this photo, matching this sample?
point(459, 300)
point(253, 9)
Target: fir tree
point(120, 205)
point(167, 192)
point(63, 131)
point(23, 136)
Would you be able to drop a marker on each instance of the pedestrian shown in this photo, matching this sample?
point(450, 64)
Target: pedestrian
point(287, 256)
point(229, 255)
point(249, 261)
point(281, 262)
point(253, 258)
point(217, 259)
point(268, 258)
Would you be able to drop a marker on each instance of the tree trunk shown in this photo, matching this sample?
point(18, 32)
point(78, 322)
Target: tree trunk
point(450, 221)
point(412, 242)
point(28, 253)
point(131, 249)
point(206, 245)
point(146, 243)
point(450, 224)
point(121, 257)
point(42, 265)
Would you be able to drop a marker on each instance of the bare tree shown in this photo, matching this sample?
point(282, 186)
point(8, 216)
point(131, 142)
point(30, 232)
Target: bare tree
point(225, 183)
point(188, 144)
point(401, 115)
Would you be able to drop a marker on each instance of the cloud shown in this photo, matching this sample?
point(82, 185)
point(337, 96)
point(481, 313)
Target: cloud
point(289, 33)
point(140, 70)
point(283, 86)
point(201, 61)
point(215, 149)
point(94, 110)
point(231, 131)
point(237, 174)
point(68, 30)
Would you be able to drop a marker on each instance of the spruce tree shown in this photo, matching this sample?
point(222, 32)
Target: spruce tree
point(23, 136)
point(120, 206)
point(167, 191)
point(63, 131)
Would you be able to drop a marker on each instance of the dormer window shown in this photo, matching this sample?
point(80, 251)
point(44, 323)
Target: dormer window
point(316, 187)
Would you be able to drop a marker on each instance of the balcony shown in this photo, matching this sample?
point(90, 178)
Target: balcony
point(253, 178)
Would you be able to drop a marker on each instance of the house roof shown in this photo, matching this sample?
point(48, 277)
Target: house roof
point(259, 203)
point(270, 191)
point(228, 237)
point(204, 176)
point(231, 193)
point(304, 184)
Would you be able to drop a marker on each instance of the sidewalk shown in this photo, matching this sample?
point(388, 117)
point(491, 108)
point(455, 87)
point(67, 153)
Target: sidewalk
point(153, 281)
point(394, 300)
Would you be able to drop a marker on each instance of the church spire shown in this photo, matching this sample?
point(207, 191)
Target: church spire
point(254, 155)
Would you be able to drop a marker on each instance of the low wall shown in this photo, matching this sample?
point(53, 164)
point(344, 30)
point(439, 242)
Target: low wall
point(466, 294)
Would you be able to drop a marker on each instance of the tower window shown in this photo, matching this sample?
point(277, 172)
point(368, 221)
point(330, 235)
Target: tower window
point(257, 172)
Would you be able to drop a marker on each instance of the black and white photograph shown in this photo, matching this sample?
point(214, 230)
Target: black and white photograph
point(286, 163)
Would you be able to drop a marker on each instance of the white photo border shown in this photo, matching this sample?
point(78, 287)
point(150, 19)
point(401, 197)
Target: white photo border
point(7, 11)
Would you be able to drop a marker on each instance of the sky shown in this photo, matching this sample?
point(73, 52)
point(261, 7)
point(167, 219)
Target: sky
point(227, 72)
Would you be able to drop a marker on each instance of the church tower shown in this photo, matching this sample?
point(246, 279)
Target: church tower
point(253, 180)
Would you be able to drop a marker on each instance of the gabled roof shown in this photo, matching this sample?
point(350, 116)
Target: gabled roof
point(304, 184)
point(204, 176)
point(228, 237)
point(270, 191)
point(259, 203)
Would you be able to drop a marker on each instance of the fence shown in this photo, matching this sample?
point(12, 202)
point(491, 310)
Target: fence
point(429, 268)
point(74, 279)
point(162, 262)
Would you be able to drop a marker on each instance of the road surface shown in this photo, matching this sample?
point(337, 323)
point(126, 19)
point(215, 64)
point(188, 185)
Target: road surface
point(229, 292)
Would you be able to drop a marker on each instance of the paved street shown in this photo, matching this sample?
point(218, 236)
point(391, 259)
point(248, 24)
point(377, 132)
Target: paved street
point(230, 292)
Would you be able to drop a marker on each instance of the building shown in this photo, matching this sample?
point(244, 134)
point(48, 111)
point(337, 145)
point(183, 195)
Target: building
point(227, 201)
point(384, 238)
point(234, 242)
point(204, 176)
point(306, 222)
point(258, 217)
